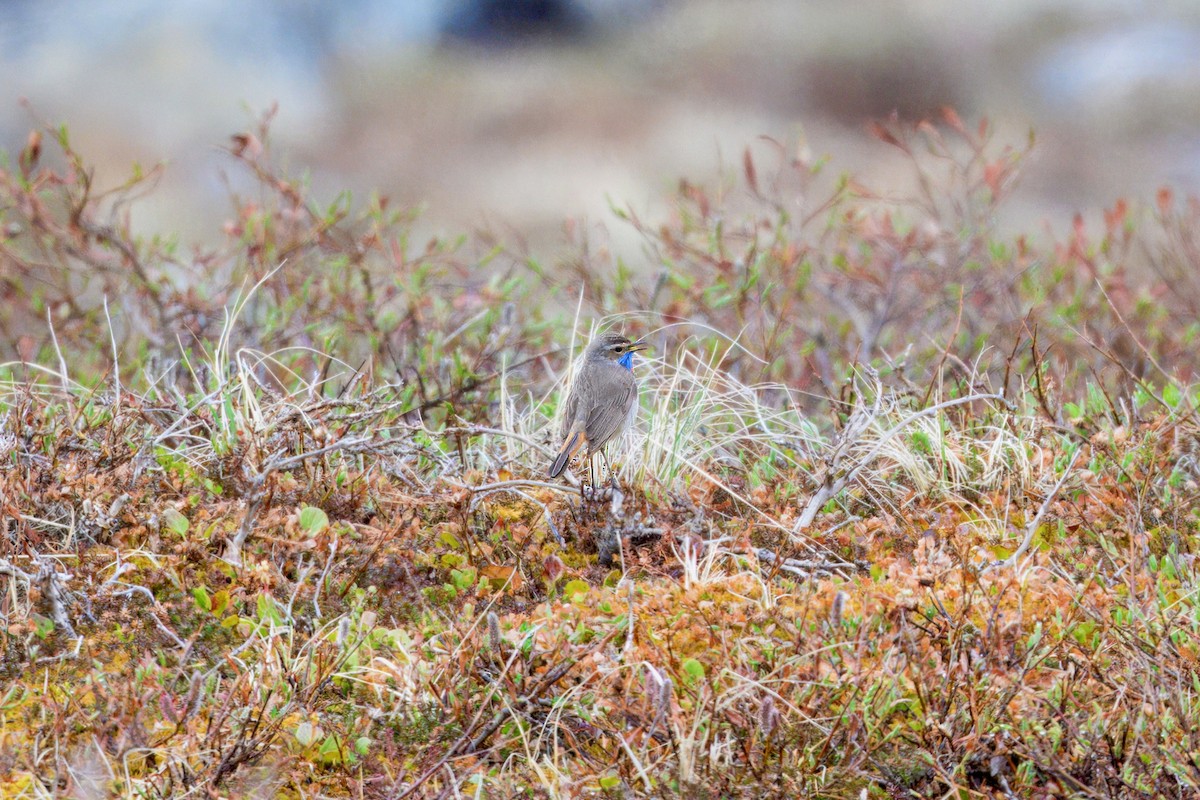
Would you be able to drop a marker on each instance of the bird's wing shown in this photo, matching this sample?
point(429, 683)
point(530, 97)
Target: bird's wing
point(569, 413)
point(610, 412)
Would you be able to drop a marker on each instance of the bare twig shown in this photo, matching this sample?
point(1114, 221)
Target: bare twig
point(278, 463)
point(1032, 527)
point(480, 430)
point(805, 568)
point(52, 585)
point(13, 571)
point(333, 546)
point(513, 484)
point(155, 607)
point(553, 676)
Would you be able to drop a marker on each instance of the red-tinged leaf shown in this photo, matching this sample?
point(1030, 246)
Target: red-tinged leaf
point(983, 128)
point(1166, 199)
point(246, 145)
point(554, 567)
point(31, 153)
point(1115, 217)
point(886, 228)
point(992, 175)
point(953, 120)
point(751, 173)
point(926, 127)
point(503, 577)
point(883, 134)
point(27, 347)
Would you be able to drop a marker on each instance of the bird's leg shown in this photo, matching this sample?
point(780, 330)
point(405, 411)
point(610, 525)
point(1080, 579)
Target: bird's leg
point(587, 489)
point(612, 477)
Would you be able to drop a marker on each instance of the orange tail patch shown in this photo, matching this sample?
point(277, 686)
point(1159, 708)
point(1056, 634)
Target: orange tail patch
point(569, 449)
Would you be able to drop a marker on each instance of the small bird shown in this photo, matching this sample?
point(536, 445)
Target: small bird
point(602, 399)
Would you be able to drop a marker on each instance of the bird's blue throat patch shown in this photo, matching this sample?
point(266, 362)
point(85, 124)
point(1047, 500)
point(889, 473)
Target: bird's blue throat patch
point(626, 360)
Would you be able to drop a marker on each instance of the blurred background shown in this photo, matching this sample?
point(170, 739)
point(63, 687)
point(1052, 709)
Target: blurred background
point(516, 115)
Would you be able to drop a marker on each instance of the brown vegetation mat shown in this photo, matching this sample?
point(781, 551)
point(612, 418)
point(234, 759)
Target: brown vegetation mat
point(910, 510)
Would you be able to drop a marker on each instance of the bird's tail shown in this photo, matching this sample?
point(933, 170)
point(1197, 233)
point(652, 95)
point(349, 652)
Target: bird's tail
point(569, 448)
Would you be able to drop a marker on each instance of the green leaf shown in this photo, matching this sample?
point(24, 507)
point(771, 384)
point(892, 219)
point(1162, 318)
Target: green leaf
point(43, 626)
point(175, 522)
point(610, 782)
point(1172, 395)
point(268, 610)
point(463, 578)
point(313, 520)
point(362, 744)
point(220, 601)
point(575, 590)
point(693, 669)
point(203, 601)
point(330, 751)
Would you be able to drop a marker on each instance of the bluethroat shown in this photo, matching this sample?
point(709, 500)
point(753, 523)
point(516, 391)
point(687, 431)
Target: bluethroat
point(602, 400)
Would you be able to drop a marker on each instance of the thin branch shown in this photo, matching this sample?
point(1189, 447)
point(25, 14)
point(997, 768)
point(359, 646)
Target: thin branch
point(1032, 527)
point(513, 484)
point(154, 607)
point(482, 430)
point(278, 463)
point(55, 595)
point(807, 569)
point(13, 571)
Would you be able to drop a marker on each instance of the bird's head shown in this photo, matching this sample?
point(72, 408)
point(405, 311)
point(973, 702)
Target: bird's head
point(615, 347)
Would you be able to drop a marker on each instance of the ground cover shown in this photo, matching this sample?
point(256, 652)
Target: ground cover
point(909, 510)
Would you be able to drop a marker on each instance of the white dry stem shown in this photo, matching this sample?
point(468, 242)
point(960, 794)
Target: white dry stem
point(545, 515)
point(833, 484)
point(155, 607)
point(116, 368)
point(1031, 528)
point(62, 362)
point(512, 484)
point(630, 627)
point(515, 486)
point(18, 576)
point(52, 585)
point(333, 546)
point(54, 590)
point(806, 568)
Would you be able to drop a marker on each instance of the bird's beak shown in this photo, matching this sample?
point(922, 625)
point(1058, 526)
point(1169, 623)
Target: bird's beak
point(638, 346)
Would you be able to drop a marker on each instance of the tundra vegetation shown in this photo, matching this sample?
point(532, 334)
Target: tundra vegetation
point(910, 508)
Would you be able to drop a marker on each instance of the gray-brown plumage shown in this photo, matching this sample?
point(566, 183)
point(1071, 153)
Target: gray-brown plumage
point(601, 400)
